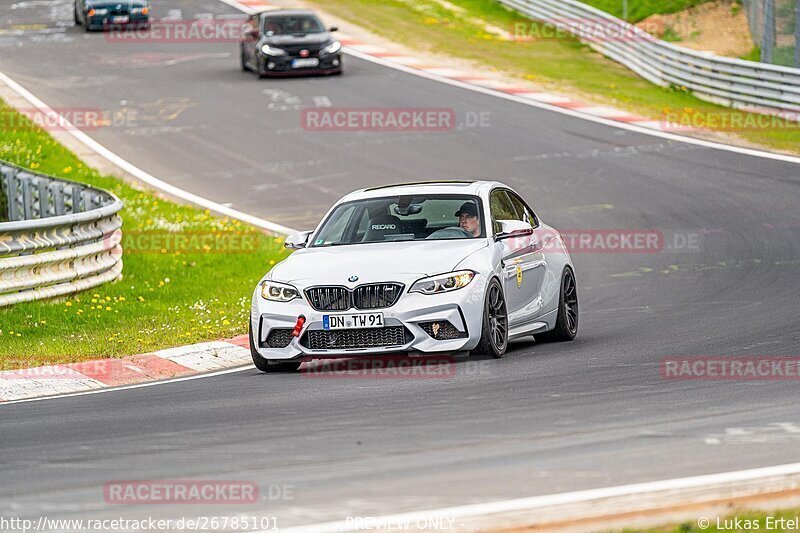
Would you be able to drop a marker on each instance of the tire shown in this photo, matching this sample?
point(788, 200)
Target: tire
point(75, 14)
point(260, 69)
point(245, 68)
point(494, 331)
point(567, 322)
point(264, 365)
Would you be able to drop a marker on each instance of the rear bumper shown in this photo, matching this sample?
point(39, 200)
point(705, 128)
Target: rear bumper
point(463, 309)
point(104, 22)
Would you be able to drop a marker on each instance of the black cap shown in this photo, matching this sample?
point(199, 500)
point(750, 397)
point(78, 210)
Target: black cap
point(468, 208)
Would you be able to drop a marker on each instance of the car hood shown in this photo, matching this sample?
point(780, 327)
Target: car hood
point(306, 39)
point(374, 262)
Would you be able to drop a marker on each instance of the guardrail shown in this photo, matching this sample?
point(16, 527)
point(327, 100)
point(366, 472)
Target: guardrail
point(758, 87)
point(62, 237)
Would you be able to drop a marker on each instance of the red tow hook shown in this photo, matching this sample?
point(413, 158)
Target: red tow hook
point(298, 326)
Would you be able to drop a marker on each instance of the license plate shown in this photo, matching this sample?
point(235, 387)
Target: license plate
point(119, 20)
point(304, 63)
point(353, 321)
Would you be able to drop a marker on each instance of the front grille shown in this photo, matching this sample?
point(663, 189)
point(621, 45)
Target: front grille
point(376, 296)
point(329, 298)
point(355, 338)
point(279, 338)
point(372, 296)
point(442, 330)
point(313, 51)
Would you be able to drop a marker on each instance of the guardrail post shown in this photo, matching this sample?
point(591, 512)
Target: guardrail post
point(768, 37)
point(797, 34)
point(11, 193)
point(4, 215)
point(58, 199)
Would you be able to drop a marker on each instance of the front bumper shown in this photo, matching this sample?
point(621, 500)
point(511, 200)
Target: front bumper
point(282, 65)
point(462, 308)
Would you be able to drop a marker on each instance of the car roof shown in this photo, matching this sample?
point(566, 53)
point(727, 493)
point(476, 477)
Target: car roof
point(281, 12)
point(466, 187)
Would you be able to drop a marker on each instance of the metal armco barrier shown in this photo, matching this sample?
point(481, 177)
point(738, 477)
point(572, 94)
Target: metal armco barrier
point(62, 237)
point(755, 86)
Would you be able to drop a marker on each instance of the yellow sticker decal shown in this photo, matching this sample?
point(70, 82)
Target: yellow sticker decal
point(519, 276)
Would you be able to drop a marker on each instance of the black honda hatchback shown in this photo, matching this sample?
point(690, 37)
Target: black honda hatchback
point(289, 42)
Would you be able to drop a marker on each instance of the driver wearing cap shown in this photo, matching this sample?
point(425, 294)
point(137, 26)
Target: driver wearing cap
point(468, 219)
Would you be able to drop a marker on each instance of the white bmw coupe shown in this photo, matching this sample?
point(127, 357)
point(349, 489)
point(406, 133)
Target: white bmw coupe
point(454, 267)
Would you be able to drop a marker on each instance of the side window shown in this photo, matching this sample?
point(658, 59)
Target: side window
point(520, 207)
point(502, 208)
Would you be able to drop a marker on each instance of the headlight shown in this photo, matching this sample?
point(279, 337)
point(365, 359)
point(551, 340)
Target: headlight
point(332, 48)
point(450, 281)
point(139, 11)
point(278, 292)
point(272, 51)
point(99, 12)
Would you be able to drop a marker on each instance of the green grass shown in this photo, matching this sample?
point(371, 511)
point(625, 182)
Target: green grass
point(553, 60)
point(747, 522)
point(641, 9)
point(166, 298)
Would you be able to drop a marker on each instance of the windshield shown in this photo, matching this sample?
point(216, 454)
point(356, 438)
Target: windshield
point(294, 24)
point(403, 218)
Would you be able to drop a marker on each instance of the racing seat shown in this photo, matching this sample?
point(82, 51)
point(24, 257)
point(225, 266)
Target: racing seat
point(381, 226)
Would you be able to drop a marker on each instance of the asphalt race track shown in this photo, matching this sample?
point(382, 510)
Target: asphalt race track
point(546, 419)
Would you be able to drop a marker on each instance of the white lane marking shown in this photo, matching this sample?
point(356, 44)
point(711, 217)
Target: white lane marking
point(136, 171)
point(538, 502)
point(135, 386)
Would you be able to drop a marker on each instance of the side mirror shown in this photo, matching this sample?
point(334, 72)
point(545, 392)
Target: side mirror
point(296, 241)
point(512, 228)
point(333, 28)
